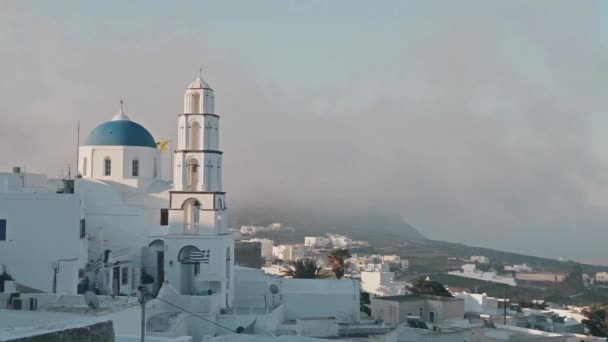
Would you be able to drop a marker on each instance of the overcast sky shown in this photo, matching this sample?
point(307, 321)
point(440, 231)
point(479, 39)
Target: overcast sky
point(479, 121)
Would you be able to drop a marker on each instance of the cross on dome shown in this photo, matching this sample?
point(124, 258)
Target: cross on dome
point(199, 83)
point(121, 115)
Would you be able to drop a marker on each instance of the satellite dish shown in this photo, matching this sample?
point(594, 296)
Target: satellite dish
point(91, 299)
point(274, 289)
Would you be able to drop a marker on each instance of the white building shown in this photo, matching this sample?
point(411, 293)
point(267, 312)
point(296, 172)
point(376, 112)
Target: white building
point(316, 241)
point(340, 241)
point(470, 271)
point(289, 252)
point(380, 282)
point(480, 259)
point(519, 268)
point(601, 277)
point(478, 303)
point(267, 247)
point(251, 230)
point(43, 242)
point(195, 246)
point(395, 261)
point(124, 226)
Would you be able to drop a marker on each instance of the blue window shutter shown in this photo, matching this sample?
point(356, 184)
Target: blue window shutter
point(2, 230)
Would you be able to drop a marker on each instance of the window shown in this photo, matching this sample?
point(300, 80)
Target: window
point(164, 217)
point(2, 230)
point(83, 231)
point(124, 277)
point(84, 166)
point(431, 317)
point(195, 133)
point(107, 166)
point(135, 168)
point(155, 171)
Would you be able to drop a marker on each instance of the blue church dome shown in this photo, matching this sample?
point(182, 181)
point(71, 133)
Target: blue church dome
point(120, 133)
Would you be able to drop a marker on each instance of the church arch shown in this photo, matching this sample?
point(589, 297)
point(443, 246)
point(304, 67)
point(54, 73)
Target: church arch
point(185, 254)
point(195, 134)
point(157, 243)
point(196, 103)
point(192, 211)
point(193, 174)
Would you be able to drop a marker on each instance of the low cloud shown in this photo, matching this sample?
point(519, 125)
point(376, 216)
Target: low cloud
point(476, 128)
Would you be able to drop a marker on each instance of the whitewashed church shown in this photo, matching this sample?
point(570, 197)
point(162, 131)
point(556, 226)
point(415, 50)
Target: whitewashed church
point(119, 225)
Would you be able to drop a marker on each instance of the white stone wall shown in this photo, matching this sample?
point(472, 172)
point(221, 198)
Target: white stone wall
point(121, 170)
point(42, 229)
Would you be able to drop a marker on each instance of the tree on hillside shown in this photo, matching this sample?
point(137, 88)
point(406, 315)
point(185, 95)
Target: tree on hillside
point(425, 286)
point(307, 268)
point(498, 267)
point(574, 279)
point(483, 267)
point(596, 320)
point(337, 259)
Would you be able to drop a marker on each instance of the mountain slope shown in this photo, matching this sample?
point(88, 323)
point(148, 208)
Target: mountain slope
point(361, 224)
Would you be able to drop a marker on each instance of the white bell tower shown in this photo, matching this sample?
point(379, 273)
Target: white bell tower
point(198, 160)
point(198, 246)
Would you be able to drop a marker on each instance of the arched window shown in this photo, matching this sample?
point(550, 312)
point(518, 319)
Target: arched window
point(195, 134)
point(192, 175)
point(135, 168)
point(196, 103)
point(155, 169)
point(107, 166)
point(192, 211)
point(84, 166)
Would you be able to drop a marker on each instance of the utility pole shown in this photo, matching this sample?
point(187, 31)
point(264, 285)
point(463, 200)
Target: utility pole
point(142, 301)
point(505, 306)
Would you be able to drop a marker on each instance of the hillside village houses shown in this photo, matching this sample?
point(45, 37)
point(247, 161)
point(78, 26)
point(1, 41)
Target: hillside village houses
point(480, 259)
point(601, 277)
point(120, 230)
point(519, 268)
point(471, 271)
point(252, 230)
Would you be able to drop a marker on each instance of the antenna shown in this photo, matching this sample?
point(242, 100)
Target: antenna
point(77, 146)
point(91, 299)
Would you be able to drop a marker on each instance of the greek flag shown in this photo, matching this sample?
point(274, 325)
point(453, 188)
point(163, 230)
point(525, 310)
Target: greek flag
point(95, 266)
point(199, 256)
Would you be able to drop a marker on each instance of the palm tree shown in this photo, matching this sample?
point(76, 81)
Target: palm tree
point(307, 268)
point(336, 260)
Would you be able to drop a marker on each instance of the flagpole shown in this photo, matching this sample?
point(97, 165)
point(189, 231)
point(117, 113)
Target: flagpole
point(77, 147)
